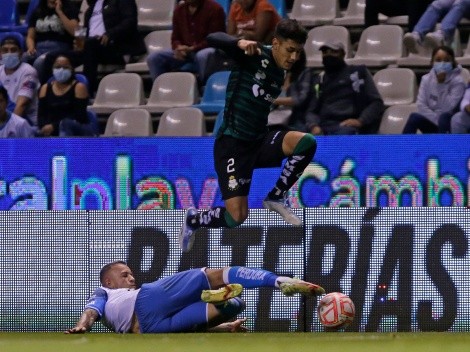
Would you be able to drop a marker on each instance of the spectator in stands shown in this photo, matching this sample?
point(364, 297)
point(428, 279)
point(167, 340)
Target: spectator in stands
point(12, 125)
point(63, 103)
point(460, 122)
point(111, 35)
point(193, 20)
point(449, 12)
point(343, 99)
point(253, 20)
point(411, 8)
point(439, 95)
point(50, 28)
point(19, 79)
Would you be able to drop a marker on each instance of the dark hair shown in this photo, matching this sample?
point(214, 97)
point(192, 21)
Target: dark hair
point(4, 92)
point(67, 56)
point(42, 10)
point(291, 29)
point(105, 269)
point(449, 52)
point(10, 39)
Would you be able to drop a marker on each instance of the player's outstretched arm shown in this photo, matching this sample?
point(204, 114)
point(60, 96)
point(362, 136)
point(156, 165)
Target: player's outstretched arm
point(233, 326)
point(87, 319)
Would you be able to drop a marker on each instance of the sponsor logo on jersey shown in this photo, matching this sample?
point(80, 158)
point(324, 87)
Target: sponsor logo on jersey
point(264, 63)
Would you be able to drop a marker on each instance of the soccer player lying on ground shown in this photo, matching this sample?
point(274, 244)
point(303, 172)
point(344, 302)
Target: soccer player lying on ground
point(194, 300)
point(244, 142)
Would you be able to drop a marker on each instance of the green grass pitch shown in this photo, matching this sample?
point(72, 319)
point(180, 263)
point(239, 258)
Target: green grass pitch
point(237, 342)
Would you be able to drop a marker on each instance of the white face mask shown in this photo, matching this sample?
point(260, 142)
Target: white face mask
point(10, 60)
point(62, 75)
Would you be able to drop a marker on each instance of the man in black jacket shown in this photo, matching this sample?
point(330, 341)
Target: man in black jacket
point(343, 99)
point(111, 34)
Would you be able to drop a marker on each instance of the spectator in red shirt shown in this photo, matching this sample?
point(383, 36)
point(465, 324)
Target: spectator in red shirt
point(193, 20)
point(253, 20)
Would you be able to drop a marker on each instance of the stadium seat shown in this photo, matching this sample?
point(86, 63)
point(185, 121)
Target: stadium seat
point(218, 122)
point(280, 6)
point(354, 15)
point(465, 58)
point(182, 122)
point(213, 98)
point(93, 118)
point(396, 85)
point(17, 35)
point(153, 16)
point(10, 19)
point(225, 5)
point(172, 89)
point(8, 16)
point(129, 122)
point(117, 91)
point(394, 118)
point(154, 41)
point(379, 46)
point(312, 13)
point(398, 20)
point(317, 36)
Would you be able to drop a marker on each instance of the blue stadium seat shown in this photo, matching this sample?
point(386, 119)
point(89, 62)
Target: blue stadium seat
point(94, 122)
point(218, 122)
point(9, 17)
point(280, 6)
point(225, 5)
point(213, 98)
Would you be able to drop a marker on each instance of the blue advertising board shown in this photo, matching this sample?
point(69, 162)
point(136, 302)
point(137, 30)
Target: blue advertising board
point(175, 173)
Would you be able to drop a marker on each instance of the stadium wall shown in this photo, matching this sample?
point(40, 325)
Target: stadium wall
point(406, 268)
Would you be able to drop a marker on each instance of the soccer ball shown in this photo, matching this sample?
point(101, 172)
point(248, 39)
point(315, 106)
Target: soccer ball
point(336, 310)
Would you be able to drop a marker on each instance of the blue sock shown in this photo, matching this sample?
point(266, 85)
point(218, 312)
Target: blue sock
point(248, 277)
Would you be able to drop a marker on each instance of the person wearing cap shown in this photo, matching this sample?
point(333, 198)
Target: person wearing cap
point(343, 98)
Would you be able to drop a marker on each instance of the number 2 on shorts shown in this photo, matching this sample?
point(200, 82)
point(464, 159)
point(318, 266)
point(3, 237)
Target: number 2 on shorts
point(230, 163)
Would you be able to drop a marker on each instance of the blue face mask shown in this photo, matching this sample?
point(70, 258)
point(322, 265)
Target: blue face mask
point(62, 75)
point(10, 60)
point(442, 66)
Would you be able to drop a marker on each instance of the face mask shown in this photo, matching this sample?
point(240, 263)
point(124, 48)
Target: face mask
point(62, 75)
point(443, 66)
point(332, 63)
point(10, 60)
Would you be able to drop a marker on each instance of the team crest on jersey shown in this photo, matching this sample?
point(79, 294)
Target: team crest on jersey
point(232, 183)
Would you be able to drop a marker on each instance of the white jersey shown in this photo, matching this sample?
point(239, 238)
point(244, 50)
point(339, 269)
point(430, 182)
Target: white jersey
point(23, 82)
point(114, 306)
point(16, 127)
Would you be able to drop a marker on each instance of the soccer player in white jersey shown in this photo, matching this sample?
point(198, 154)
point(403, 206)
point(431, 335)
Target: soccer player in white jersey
point(194, 300)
